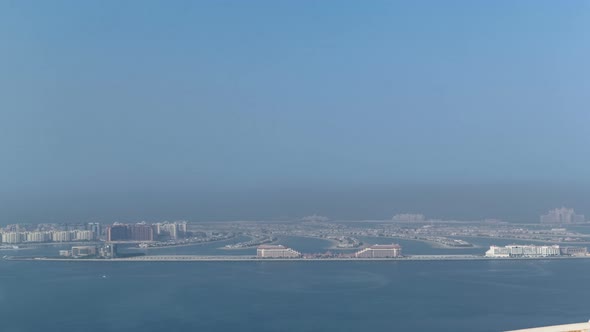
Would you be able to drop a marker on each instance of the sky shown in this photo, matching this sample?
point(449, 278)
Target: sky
point(225, 110)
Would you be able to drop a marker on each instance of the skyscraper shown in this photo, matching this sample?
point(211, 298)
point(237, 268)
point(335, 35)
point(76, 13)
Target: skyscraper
point(561, 215)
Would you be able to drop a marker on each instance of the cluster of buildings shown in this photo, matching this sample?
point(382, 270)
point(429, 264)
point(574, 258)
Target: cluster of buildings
point(173, 230)
point(409, 217)
point(562, 215)
point(145, 232)
point(515, 250)
point(48, 236)
point(13, 234)
point(109, 250)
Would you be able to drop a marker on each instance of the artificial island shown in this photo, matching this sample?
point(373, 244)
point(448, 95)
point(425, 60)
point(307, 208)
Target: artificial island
point(560, 234)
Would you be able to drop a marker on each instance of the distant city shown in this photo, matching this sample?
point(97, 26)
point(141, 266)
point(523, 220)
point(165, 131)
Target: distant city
point(562, 215)
point(350, 239)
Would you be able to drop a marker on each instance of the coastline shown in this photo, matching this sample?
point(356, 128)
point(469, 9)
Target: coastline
point(221, 258)
point(432, 244)
point(179, 245)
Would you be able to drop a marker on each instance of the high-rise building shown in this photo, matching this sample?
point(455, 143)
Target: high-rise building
point(95, 228)
point(141, 232)
point(61, 236)
point(118, 232)
point(35, 236)
point(11, 237)
point(182, 227)
point(83, 235)
point(135, 232)
point(173, 230)
point(562, 215)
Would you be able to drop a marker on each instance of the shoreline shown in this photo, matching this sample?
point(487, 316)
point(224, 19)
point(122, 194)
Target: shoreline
point(179, 245)
point(432, 244)
point(221, 258)
point(565, 243)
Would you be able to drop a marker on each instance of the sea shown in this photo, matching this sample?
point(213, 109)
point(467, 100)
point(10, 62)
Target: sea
point(290, 296)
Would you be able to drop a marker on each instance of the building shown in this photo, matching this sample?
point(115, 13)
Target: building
point(499, 252)
point(61, 236)
point(108, 251)
point(83, 251)
point(515, 250)
point(182, 228)
point(276, 251)
point(36, 236)
point(141, 232)
point(83, 235)
point(578, 327)
point(409, 217)
point(95, 228)
point(12, 237)
point(117, 232)
point(170, 229)
point(135, 232)
point(380, 251)
point(562, 215)
point(574, 251)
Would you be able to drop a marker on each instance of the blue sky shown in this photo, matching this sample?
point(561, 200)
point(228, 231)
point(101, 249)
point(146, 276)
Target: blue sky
point(229, 109)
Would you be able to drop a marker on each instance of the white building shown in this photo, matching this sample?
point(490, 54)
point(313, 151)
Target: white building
point(61, 236)
point(11, 237)
point(495, 251)
point(83, 235)
point(274, 251)
point(170, 229)
point(523, 251)
point(37, 236)
point(182, 227)
point(380, 251)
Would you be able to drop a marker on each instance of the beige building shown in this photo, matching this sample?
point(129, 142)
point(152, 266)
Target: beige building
point(276, 251)
point(380, 251)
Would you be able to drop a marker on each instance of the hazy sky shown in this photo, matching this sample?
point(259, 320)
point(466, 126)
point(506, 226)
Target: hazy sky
point(263, 109)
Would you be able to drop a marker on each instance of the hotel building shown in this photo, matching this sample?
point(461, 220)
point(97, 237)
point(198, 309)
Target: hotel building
point(276, 251)
point(523, 251)
point(380, 251)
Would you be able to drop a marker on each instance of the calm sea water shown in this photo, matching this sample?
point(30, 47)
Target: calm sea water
point(291, 296)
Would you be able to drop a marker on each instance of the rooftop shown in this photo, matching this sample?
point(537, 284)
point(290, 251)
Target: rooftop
point(385, 246)
point(268, 246)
